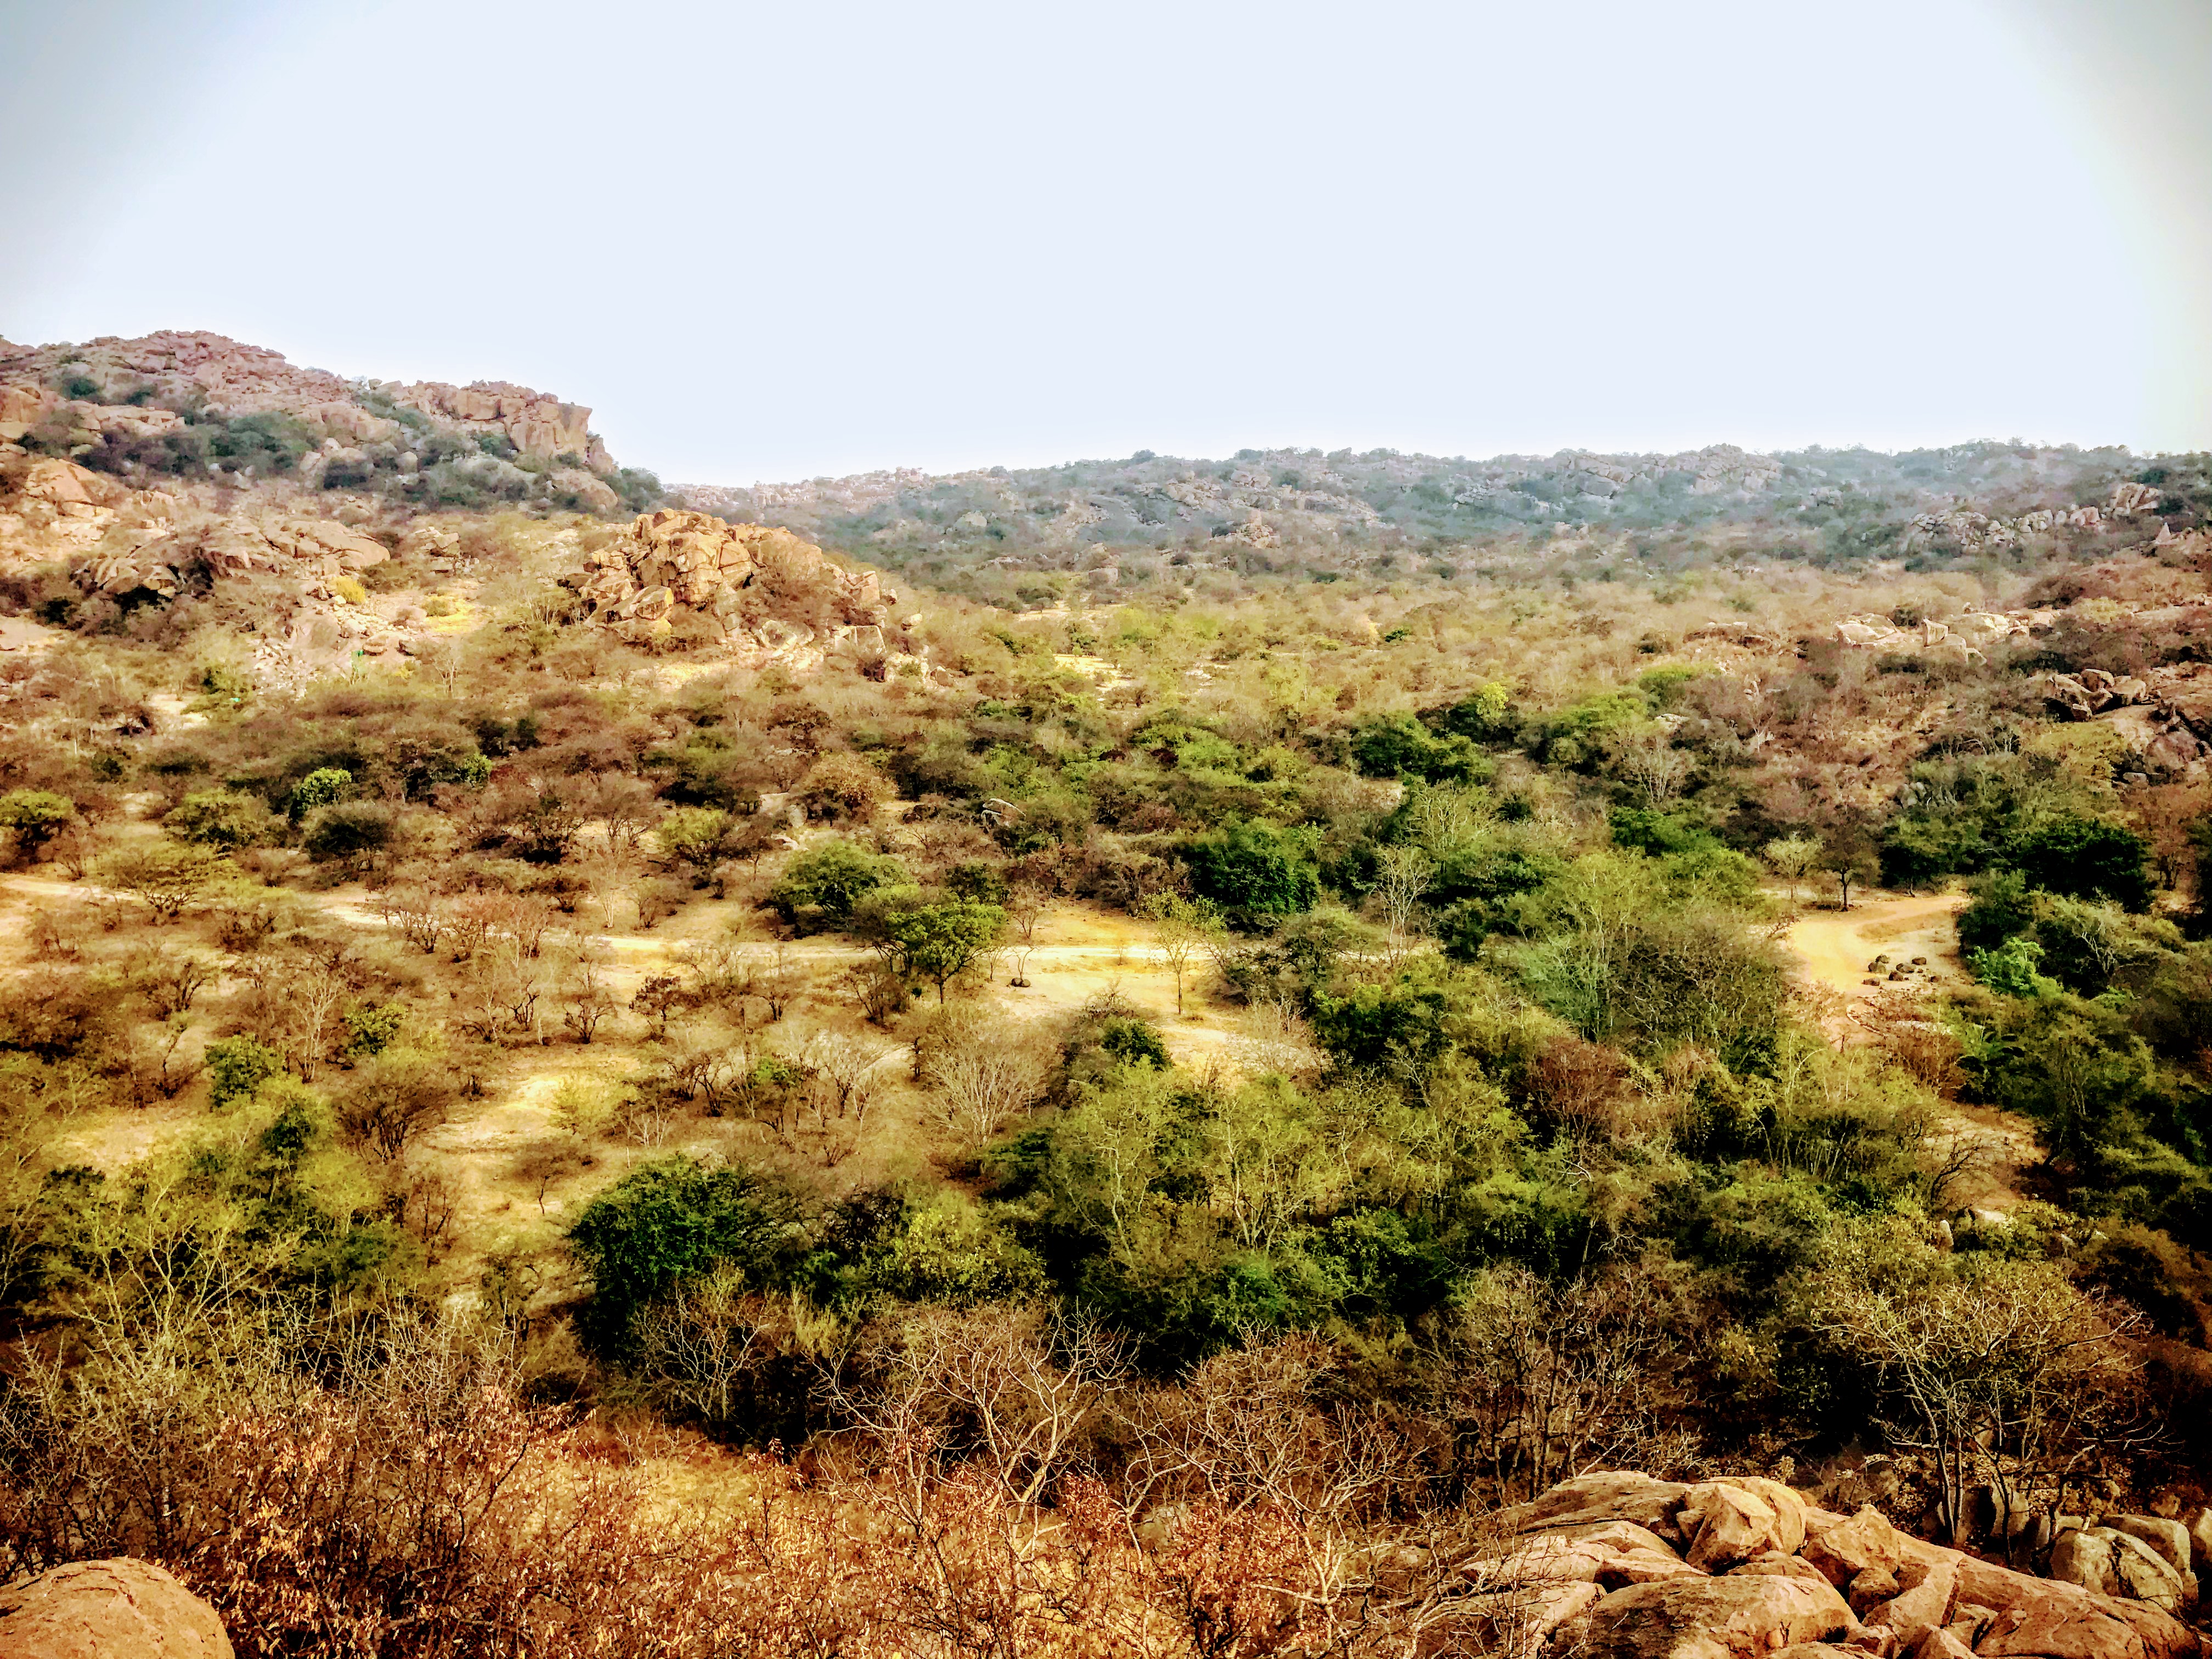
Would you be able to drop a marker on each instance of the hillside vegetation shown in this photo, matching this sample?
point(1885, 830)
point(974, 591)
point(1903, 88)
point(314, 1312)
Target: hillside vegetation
point(589, 1082)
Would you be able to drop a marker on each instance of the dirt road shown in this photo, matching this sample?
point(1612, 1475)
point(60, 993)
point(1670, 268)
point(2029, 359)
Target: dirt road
point(1834, 946)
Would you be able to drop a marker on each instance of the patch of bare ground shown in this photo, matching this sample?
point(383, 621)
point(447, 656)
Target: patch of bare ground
point(1891, 944)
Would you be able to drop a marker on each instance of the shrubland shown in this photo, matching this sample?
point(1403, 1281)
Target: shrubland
point(1109, 1132)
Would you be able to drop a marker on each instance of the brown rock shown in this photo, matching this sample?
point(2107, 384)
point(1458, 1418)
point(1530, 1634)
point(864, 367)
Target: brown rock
point(66, 484)
point(1779, 1566)
point(1937, 1643)
point(1740, 1616)
point(1843, 1549)
point(1925, 1592)
point(1731, 1521)
point(2197, 1522)
point(1611, 1552)
point(1872, 1588)
point(115, 1609)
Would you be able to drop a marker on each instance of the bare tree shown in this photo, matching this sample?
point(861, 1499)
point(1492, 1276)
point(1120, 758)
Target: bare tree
point(2004, 1373)
point(1402, 875)
point(983, 1073)
point(590, 1001)
point(415, 913)
point(1645, 758)
point(1180, 929)
point(392, 1100)
point(1022, 1387)
point(1792, 858)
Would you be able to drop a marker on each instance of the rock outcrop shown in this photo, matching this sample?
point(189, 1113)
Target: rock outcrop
point(115, 1609)
point(772, 597)
point(138, 388)
point(1621, 1564)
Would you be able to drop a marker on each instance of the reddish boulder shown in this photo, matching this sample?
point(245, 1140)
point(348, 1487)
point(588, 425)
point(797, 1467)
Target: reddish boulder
point(107, 1610)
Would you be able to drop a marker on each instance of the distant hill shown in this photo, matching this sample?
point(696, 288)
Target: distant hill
point(1104, 525)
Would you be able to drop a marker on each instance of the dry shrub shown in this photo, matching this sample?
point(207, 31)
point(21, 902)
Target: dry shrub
point(983, 1071)
point(1925, 1048)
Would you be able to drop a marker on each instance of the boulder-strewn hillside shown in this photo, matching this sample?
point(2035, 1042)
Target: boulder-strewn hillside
point(1112, 524)
point(1622, 1566)
point(198, 406)
point(158, 486)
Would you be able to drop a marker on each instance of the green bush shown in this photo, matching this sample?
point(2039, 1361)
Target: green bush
point(321, 786)
point(674, 1218)
point(237, 1067)
point(34, 817)
point(825, 883)
point(349, 830)
point(221, 819)
point(2086, 858)
point(1256, 867)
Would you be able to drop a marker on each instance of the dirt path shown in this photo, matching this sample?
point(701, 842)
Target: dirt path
point(1833, 947)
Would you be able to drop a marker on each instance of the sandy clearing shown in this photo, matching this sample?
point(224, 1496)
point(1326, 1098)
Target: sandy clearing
point(1834, 946)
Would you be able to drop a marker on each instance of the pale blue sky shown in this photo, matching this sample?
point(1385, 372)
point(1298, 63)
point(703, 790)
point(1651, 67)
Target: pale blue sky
point(773, 242)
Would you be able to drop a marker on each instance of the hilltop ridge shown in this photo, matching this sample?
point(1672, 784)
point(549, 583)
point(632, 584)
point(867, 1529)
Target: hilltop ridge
point(1107, 525)
point(193, 405)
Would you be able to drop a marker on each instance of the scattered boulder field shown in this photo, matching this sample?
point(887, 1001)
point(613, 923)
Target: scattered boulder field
point(1626, 1566)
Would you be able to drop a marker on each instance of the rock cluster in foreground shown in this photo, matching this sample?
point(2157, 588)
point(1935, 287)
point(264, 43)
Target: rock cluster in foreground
point(1623, 1566)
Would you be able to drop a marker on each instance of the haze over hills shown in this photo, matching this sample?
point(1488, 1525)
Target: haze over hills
point(1301, 512)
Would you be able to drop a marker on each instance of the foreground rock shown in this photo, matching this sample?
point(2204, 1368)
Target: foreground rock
point(117, 1609)
point(1623, 1565)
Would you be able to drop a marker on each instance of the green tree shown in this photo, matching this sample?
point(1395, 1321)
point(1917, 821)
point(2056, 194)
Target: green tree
point(675, 1218)
point(937, 942)
point(34, 817)
point(1255, 866)
point(828, 880)
point(221, 819)
point(2086, 858)
point(1848, 855)
point(694, 836)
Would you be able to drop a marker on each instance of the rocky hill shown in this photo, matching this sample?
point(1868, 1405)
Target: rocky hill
point(153, 485)
point(1105, 525)
point(199, 406)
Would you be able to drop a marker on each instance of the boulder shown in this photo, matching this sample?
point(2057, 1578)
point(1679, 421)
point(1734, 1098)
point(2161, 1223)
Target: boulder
point(592, 491)
point(1602, 1495)
point(2078, 1623)
point(66, 484)
point(1843, 1549)
point(1936, 1642)
point(2170, 1539)
point(2114, 1562)
point(1925, 1592)
point(1734, 1616)
point(2197, 1523)
point(1614, 1553)
point(1731, 1521)
point(115, 1609)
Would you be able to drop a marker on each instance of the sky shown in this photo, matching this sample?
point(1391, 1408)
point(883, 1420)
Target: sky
point(777, 242)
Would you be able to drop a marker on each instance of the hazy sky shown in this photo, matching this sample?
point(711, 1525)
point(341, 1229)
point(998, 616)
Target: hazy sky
point(774, 242)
